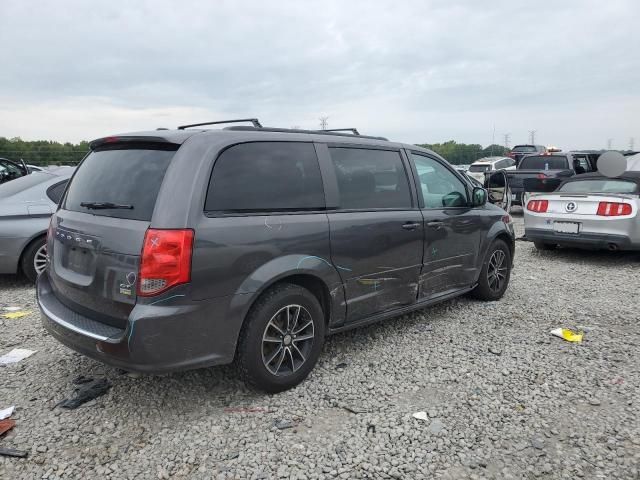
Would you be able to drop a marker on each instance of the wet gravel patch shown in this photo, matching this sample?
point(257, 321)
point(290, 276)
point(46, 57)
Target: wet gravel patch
point(503, 398)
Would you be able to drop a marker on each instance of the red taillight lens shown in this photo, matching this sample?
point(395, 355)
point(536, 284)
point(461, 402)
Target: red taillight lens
point(613, 209)
point(542, 176)
point(165, 260)
point(538, 206)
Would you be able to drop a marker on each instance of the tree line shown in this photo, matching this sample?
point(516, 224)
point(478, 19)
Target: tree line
point(42, 152)
point(46, 152)
point(465, 153)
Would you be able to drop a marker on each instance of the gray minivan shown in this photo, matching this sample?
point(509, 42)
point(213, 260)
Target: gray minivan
point(187, 248)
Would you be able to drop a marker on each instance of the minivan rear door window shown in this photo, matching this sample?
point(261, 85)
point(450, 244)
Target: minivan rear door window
point(370, 179)
point(118, 177)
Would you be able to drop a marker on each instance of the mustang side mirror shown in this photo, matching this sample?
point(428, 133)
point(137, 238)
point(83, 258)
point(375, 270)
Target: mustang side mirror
point(478, 197)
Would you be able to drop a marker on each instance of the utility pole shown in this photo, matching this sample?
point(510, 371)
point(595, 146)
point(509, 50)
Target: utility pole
point(532, 137)
point(507, 138)
point(324, 123)
point(493, 138)
point(609, 143)
point(632, 142)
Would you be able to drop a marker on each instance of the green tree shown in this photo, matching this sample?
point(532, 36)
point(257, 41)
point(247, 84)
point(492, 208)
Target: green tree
point(42, 152)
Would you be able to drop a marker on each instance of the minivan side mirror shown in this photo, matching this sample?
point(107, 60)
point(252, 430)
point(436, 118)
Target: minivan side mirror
point(478, 197)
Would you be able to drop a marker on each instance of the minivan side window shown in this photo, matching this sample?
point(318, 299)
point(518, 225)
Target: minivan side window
point(440, 187)
point(266, 177)
point(370, 179)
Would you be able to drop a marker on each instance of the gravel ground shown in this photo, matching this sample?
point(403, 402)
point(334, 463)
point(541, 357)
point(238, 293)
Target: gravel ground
point(504, 399)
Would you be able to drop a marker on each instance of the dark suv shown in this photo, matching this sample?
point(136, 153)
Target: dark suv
point(177, 249)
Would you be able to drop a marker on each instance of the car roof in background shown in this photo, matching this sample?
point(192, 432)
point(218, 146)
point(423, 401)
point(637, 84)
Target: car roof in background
point(490, 159)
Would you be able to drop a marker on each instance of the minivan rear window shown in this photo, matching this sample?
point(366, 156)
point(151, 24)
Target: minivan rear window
point(544, 162)
point(126, 177)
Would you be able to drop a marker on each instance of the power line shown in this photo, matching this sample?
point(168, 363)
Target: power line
point(532, 137)
point(324, 123)
point(507, 138)
point(632, 142)
point(609, 143)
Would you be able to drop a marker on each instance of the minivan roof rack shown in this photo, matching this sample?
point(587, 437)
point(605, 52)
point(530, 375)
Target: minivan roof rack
point(352, 130)
point(297, 130)
point(256, 123)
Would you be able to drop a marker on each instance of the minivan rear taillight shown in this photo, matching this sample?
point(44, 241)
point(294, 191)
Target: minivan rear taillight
point(613, 209)
point(165, 260)
point(538, 206)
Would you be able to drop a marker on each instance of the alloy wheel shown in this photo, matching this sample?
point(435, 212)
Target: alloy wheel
point(40, 259)
point(287, 340)
point(497, 270)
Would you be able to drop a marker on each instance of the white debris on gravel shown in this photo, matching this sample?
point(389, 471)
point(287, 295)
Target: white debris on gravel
point(504, 399)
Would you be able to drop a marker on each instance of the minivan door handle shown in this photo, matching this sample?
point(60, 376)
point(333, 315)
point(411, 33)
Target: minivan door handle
point(411, 225)
point(435, 224)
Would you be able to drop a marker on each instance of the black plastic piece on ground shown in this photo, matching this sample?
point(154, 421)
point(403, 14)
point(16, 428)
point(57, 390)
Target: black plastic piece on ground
point(86, 392)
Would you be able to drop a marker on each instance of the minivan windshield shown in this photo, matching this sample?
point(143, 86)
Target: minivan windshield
point(544, 162)
point(599, 186)
point(115, 177)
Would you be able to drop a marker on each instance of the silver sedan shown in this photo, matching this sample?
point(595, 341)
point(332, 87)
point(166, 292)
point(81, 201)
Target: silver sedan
point(26, 205)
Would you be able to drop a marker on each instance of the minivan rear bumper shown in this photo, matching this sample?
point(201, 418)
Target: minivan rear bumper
point(157, 339)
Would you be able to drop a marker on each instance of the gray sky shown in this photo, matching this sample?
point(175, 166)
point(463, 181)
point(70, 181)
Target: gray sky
point(414, 71)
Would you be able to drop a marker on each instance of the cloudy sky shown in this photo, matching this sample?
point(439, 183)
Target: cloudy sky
point(415, 71)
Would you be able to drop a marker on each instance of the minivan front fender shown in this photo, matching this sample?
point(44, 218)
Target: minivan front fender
point(497, 230)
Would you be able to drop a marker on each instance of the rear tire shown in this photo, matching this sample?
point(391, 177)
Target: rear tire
point(34, 259)
point(495, 273)
point(545, 246)
point(281, 339)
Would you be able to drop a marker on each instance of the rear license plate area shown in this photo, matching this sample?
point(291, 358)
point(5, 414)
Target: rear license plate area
point(566, 227)
point(78, 260)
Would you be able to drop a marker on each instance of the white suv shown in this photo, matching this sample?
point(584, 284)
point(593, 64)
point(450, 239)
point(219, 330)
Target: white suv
point(490, 164)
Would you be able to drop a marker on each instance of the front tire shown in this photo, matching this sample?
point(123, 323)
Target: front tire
point(34, 259)
point(281, 339)
point(495, 273)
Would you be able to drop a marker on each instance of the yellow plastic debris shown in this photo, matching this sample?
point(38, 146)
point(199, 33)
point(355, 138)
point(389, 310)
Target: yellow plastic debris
point(15, 314)
point(568, 335)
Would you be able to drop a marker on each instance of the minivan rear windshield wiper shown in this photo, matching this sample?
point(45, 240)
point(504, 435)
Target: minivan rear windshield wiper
point(104, 205)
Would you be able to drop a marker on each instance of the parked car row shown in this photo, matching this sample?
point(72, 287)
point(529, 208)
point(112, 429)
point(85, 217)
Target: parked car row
point(178, 249)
